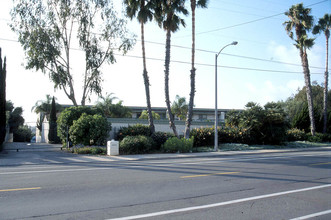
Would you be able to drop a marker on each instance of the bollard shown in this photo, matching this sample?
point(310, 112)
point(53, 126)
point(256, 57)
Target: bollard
point(112, 148)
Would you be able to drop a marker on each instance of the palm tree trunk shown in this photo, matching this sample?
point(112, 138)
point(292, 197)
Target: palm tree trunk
point(192, 78)
point(326, 78)
point(166, 84)
point(306, 72)
point(146, 82)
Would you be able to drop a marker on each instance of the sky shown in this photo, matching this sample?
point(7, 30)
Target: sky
point(263, 67)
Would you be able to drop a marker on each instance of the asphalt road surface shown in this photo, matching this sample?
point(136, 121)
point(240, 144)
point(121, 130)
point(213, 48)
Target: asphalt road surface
point(48, 184)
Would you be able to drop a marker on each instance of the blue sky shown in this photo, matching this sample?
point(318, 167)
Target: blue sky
point(249, 71)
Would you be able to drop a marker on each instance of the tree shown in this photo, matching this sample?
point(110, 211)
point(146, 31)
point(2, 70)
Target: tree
point(324, 25)
point(43, 108)
point(179, 107)
point(2, 99)
point(194, 4)
point(301, 21)
point(46, 31)
point(167, 15)
point(144, 115)
point(143, 11)
point(15, 119)
point(52, 134)
point(113, 110)
point(296, 108)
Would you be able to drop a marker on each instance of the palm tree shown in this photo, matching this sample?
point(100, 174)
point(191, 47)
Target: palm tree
point(142, 9)
point(194, 4)
point(301, 21)
point(167, 15)
point(324, 25)
point(180, 107)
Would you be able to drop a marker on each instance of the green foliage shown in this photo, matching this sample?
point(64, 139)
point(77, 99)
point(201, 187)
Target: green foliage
point(3, 119)
point(52, 133)
point(113, 110)
point(68, 116)
point(90, 150)
point(295, 134)
point(89, 130)
point(319, 137)
point(136, 145)
point(144, 115)
point(174, 145)
point(22, 134)
point(15, 119)
point(180, 107)
point(160, 138)
point(203, 136)
point(296, 108)
point(133, 130)
point(45, 30)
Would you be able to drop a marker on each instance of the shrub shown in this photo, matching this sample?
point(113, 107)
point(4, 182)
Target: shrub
point(89, 130)
point(160, 138)
point(133, 130)
point(319, 137)
point(68, 116)
point(22, 134)
point(90, 150)
point(295, 134)
point(203, 136)
point(173, 145)
point(136, 145)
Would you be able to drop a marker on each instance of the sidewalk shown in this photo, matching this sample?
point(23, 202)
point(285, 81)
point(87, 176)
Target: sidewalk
point(43, 149)
point(141, 157)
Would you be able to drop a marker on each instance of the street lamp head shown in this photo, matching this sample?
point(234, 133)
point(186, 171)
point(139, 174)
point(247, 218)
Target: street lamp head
point(234, 43)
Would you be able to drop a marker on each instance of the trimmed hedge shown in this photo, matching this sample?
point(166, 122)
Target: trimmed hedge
point(133, 130)
point(89, 130)
point(136, 145)
point(174, 145)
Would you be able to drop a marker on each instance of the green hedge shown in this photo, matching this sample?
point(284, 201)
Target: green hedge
point(174, 145)
point(136, 145)
point(90, 130)
point(133, 130)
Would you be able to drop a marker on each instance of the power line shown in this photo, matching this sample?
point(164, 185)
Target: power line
point(233, 55)
point(211, 65)
point(249, 22)
point(208, 51)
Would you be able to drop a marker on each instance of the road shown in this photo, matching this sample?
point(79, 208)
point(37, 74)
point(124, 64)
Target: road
point(48, 184)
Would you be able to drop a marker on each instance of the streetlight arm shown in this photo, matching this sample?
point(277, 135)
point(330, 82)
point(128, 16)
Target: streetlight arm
point(233, 43)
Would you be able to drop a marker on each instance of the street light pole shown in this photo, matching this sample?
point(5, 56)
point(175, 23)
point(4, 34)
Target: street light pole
point(216, 110)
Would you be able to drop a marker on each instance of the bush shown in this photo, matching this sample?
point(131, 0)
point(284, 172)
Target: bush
point(90, 150)
point(173, 145)
point(136, 145)
point(295, 134)
point(203, 136)
point(160, 138)
point(319, 137)
point(133, 130)
point(22, 134)
point(68, 116)
point(90, 130)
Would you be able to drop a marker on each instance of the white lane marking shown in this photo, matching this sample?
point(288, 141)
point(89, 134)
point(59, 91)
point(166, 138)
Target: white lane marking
point(312, 215)
point(56, 171)
point(219, 204)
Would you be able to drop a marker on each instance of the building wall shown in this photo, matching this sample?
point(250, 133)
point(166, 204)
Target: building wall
point(160, 125)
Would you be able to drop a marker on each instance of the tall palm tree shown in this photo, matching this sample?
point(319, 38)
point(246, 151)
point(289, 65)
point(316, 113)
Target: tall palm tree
point(167, 15)
point(194, 4)
point(324, 25)
point(142, 9)
point(301, 22)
